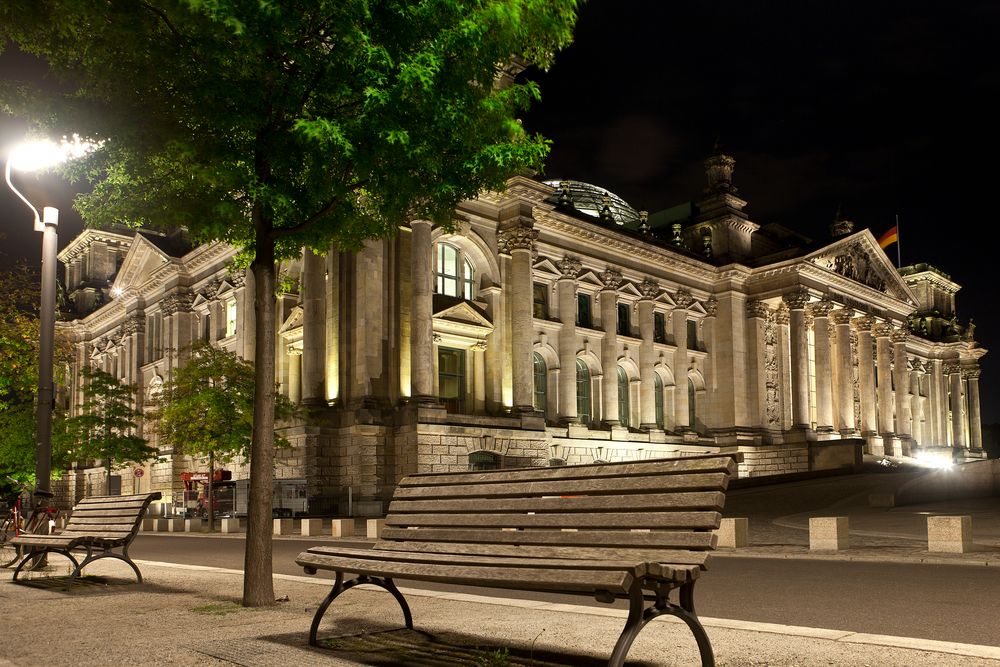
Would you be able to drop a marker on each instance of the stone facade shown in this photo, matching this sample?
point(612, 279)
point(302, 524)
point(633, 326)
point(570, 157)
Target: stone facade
point(533, 331)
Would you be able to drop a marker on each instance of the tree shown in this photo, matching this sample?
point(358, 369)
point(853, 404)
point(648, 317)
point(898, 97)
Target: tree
point(105, 428)
point(206, 409)
point(288, 123)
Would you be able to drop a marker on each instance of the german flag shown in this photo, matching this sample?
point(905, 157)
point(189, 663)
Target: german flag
point(890, 237)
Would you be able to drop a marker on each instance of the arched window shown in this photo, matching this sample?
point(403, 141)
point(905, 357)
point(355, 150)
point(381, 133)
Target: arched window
point(691, 410)
point(454, 274)
point(582, 392)
point(484, 461)
point(623, 417)
point(540, 382)
point(658, 399)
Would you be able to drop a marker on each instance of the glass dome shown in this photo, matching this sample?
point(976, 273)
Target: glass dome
point(590, 199)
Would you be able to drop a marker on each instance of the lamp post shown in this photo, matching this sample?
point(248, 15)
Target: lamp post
point(36, 156)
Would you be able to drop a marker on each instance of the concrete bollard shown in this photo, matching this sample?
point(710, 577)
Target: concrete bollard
point(230, 525)
point(148, 524)
point(192, 525)
point(159, 525)
point(375, 527)
point(949, 534)
point(175, 524)
point(312, 527)
point(828, 533)
point(342, 527)
point(283, 526)
point(733, 532)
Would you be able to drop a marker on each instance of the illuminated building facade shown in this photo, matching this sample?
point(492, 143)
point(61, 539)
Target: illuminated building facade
point(553, 325)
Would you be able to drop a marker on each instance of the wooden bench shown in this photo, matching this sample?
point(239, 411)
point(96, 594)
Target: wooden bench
point(102, 526)
point(635, 530)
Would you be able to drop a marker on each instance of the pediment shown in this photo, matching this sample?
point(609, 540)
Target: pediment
point(141, 262)
point(591, 279)
point(545, 265)
point(293, 321)
point(464, 313)
point(858, 257)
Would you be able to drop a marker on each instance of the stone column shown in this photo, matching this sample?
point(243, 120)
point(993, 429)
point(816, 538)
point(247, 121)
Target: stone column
point(313, 328)
point(517, 239)
point(332, 305)
point(975, 416)
point(824, 365)
point(866, 375)
point(421, 324)
point(295, 375)
point(845, 373)
point(796, 302)
point(918, 432)
point(177, 325)
point(647, 385)
point(782, 319)
point(901, 378)
point(883, 363)
point(682, 407)
point(479, 377)
point(566, 293)
point(609, 347)
point(954, 373)
point(757, 360)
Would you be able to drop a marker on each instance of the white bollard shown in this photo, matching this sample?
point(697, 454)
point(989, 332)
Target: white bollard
point(230, 525)
point(949, 534)
point(828, 533)
point(175, 524)
point(283, 526)
point(375, 527)
point(342, 527)
point(312, 527)
point(733, 532)
point(192, 525)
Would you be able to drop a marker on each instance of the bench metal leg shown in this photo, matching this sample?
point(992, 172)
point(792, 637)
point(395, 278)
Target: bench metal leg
point(31, 555)
point(639, 617)
point(91, 557)
point(339, 587)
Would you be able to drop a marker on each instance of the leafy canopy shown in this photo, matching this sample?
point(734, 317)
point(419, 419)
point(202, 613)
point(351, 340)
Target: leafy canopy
point(326, 119)
point(207, 406)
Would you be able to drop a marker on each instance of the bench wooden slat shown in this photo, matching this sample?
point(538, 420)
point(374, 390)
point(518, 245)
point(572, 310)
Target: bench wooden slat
point(682, 500)
point(665, 539)
point(602, 486)
point(540, 578)
point(659, 467)
point(674, 556)
point(617, 520)
point(93, 520)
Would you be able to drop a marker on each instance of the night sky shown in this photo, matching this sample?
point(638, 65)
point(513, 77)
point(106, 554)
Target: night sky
point(878, 109)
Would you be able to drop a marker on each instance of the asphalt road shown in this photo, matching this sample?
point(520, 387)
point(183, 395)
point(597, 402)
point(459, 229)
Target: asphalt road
point(943, 602)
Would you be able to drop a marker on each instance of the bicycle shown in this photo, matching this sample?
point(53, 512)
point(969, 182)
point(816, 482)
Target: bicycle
point(14, 523)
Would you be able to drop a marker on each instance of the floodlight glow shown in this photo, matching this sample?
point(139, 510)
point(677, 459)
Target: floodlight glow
point(39, 155)
point(931, 460)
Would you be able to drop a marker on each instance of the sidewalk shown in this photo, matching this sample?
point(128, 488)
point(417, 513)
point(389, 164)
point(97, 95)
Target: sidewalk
point(189, 615)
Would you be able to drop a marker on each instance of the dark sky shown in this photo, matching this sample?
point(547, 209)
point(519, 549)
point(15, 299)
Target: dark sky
point(882, 109)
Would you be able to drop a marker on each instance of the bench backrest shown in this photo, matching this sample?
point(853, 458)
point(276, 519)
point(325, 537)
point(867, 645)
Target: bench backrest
point(112, 518)
point(635, 509)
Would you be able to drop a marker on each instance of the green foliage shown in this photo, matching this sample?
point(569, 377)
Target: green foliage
point(19, 299)
point(207, 406)
point(105, 428)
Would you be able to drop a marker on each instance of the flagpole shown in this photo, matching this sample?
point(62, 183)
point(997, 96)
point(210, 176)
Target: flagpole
point(899, 255)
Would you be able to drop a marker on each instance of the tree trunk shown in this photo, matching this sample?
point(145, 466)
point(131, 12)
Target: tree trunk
point(258, 584)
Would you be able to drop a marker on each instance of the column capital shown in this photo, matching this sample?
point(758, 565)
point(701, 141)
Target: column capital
point(178, 302)
point(612, 278)
point(134, 323)
point(570, 267)
point(237, 279)
point(797, 299)
point(711, 306)
point(842, 316)
point(757, 308)
point(683, 298)
point(882, 329)
point(782, 315)
point(901, 335)
point(971, 373)
point(518, 237)
point(650, 289)
point(864, 324)
point(952, 368)
point(821, 308)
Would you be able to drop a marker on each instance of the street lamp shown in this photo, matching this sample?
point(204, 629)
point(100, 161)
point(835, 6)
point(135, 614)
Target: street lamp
point(37, 156)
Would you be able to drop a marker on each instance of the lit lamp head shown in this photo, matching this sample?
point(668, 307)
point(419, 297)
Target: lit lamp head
point(38, 156)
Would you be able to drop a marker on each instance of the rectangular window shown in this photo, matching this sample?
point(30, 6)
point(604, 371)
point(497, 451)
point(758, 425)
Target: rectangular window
point(230, 317)
point(692, 334)
point(541, 302)
point(659, 327)
point(583, 313)
point(624, 327)
point(451, 378)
